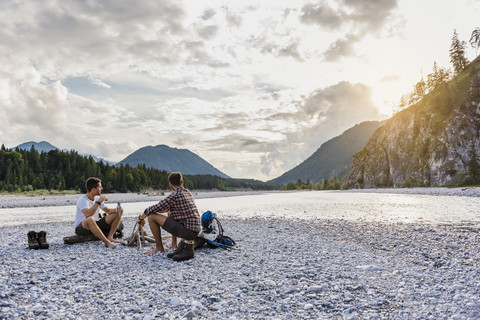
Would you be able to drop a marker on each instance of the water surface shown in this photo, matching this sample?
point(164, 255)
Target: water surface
point(345, 205)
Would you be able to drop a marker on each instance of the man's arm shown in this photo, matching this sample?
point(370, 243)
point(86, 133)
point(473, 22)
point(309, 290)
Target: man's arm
point(88, 212)
point(108, 210)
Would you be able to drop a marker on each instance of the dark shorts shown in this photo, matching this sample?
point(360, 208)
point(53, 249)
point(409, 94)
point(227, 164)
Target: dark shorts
point(177, 229)
point(102, 224)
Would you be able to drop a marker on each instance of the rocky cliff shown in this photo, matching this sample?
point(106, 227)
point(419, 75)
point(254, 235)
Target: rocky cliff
point(432, 143)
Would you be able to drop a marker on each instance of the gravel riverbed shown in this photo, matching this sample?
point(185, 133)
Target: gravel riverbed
point(315, 269)
point(283, 267)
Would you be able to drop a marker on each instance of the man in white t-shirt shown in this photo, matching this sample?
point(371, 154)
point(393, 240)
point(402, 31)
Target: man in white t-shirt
point(87, 217)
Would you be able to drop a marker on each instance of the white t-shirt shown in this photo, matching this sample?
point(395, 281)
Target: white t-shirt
point(85, 203)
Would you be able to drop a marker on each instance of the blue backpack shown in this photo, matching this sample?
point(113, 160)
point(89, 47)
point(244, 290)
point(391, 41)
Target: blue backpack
point(212, 232)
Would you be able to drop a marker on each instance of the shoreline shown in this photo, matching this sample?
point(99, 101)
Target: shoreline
point(26, 201)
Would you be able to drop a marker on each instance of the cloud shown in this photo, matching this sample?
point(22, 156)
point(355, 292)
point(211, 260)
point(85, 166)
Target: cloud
point(208, 14)
point(106, 77)
point(322, 14)
point(233, 19)
point(320, 116)
point(81, 38)
point(371, 15)
point(238, 143)
point(290, 51)
point(207, 32)
point(100, 83)
point(343, 47)
point(358, 17)
point(279, 138)
point(342, 102)
point(29, 102)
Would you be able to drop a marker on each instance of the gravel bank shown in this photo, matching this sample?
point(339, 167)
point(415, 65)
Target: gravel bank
point(317, 269)
point(460, 192)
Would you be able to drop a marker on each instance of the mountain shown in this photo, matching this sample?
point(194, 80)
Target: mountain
point(334, 157)
point(44, 146)
point(432, 143)
point(163, 157)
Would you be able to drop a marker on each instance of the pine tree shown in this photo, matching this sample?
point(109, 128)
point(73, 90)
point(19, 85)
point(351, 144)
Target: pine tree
point(419, 90)
point(457, 53)
point(475, 39)
point(438, 78)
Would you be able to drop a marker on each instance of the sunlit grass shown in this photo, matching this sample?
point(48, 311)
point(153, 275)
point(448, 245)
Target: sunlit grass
point(40, 192)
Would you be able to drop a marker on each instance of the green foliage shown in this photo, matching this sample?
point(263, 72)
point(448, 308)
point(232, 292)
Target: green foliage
point(458, 56)
point(29, 171)
point(333, 184)
point(475, 38)
point(438, 78)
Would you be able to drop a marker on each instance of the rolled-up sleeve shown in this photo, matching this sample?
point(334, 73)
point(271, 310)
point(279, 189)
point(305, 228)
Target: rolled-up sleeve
point(163, 205)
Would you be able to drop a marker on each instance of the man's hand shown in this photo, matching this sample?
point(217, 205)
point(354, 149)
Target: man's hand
point(102, 198)
point(141, 219)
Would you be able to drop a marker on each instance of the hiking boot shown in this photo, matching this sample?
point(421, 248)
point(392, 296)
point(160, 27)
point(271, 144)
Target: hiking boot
point(186, 253)
point(177, 251)
point(199, 242)
point(42, 240)
point(32, 240)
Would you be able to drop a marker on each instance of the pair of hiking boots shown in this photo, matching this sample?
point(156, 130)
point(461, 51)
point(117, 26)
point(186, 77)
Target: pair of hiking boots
point(37, 240)
point(185, 251)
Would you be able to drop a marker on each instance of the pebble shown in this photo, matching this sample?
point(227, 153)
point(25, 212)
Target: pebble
point(369, 268)
point(323, 269)
point(176, 301)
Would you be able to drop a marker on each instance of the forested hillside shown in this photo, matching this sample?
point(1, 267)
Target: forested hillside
point(435, 142)
point(28, 170)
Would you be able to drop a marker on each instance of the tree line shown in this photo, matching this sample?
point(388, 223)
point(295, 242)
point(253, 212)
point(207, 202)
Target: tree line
point(333, 184)
point(28, 170)
point(439, 76)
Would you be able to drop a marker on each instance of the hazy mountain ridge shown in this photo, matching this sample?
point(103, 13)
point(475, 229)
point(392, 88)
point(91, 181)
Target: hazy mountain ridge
point(42, 146)
point(334, 157)
point(45, 146)
point(432, 143)
point(163, 157)
point(160, 157)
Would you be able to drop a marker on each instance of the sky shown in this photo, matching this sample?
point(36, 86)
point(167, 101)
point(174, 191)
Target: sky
point(252, 87)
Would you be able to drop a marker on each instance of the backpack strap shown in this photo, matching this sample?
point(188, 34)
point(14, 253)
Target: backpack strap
point(219, 226)
point(219, 245)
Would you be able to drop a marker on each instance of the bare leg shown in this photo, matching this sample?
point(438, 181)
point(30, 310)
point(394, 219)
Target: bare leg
point(174, 242)
point(114, 221)
point(91, 224)
point(173, 245)
point(155, 221)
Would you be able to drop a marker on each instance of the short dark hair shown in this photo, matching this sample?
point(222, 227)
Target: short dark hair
point(175, 178)
point(92, 183)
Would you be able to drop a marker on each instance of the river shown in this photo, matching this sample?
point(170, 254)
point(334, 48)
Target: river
point(353, 206)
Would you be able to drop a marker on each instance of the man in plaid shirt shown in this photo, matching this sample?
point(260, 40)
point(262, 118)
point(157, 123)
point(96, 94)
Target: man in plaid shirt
point(183, 220)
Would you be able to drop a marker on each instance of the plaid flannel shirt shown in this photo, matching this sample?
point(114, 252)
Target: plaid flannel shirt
point(182, 209)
